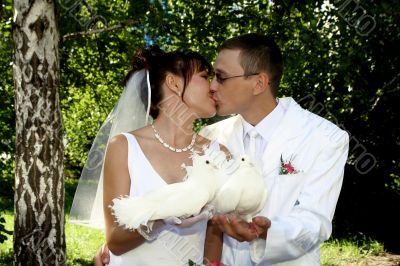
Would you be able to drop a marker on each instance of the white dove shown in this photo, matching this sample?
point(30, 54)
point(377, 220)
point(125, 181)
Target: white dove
point(244, 193)
point(175, 200)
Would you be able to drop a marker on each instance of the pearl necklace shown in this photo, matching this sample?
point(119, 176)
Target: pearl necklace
point(166, 145)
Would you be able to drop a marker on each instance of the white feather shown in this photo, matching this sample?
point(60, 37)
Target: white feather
point(175, 200)
point(234, 186)
point(244, 193)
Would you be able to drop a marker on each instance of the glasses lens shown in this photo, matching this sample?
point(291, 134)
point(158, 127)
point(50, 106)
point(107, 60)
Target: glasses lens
point(219, 79)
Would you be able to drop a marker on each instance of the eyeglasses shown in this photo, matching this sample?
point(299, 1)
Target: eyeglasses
point(221, 80)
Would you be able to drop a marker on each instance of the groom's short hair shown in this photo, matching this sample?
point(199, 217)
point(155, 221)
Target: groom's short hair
point(258, 53)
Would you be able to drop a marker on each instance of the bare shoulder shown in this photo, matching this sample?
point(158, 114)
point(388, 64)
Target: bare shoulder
point(118, 142)
point(117, 149)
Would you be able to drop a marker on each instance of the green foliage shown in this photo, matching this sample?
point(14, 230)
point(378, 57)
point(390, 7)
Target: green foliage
point(92, 69)
point(192, 263)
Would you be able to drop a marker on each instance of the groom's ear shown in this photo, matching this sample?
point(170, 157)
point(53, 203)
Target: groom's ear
point(262, 83)
point(174, 83)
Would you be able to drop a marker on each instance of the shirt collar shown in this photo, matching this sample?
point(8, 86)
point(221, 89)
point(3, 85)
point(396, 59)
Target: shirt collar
point(268, 124)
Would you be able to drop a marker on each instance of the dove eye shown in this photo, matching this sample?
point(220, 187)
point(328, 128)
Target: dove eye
point(242, 159)
point(207, 162)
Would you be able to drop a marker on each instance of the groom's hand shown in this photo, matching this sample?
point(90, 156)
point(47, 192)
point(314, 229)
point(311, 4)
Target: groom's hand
point(241, 230)
point(262, 224)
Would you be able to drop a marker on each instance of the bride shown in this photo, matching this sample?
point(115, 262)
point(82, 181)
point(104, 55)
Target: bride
point(174, 89)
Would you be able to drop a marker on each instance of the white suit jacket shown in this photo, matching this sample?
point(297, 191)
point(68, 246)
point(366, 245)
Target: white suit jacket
point(300, 206)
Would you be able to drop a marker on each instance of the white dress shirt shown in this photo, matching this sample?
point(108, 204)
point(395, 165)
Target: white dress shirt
point(265, 129)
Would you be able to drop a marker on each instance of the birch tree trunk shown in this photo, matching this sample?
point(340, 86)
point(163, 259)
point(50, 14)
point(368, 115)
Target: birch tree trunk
point(39, 182)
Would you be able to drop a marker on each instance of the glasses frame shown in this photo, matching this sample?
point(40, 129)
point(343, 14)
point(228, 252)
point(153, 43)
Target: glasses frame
point(221, 80)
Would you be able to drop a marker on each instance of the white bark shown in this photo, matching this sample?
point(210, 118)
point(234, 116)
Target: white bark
point(39, 198)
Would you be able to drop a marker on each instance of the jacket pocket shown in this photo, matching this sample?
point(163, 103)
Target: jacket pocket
point(288, 191)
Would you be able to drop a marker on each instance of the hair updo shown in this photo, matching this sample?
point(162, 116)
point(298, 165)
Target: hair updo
point(159, 64)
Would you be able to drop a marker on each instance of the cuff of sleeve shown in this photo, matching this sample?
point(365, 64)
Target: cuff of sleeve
point(276, 240)
point(257, 250)
point(280, 246)
point(274, 243)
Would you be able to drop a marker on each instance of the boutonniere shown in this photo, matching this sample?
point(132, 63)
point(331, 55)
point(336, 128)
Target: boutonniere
point(287, 167)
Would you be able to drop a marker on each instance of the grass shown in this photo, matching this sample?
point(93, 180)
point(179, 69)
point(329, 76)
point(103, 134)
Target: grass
point(345, 252)
point(6, 248)
point(82, 243)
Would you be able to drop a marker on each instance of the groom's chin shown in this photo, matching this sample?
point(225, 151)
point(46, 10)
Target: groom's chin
point(221, 112)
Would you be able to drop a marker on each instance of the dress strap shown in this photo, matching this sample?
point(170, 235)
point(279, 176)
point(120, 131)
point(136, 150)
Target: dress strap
point(129, 137)
point(142, 174)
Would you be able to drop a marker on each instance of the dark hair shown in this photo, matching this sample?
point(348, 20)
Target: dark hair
point(159, 63)
point(258, 53)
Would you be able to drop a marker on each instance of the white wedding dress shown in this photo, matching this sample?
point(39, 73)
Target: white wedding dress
point(174, 246)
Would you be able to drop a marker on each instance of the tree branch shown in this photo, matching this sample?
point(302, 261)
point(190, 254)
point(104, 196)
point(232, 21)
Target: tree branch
point(77, 35)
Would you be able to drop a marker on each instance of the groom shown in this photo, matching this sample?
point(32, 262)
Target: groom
point(302, 157)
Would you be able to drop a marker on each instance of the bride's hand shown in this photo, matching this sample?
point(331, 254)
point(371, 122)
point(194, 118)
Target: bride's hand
point(102, 256)
point(205, 214)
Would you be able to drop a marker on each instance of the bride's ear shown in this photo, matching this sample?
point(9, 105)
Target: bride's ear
point(174, 84)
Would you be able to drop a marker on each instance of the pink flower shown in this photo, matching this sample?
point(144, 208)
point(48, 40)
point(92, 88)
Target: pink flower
point(289, 168)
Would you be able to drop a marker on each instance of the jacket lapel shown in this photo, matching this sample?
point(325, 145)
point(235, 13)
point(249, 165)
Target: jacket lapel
point(288, 129)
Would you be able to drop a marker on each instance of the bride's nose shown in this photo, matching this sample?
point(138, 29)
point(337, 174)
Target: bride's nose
point(214, 85)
